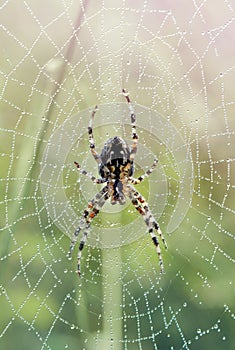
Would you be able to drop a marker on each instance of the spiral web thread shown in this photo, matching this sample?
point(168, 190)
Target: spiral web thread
point(60, 59)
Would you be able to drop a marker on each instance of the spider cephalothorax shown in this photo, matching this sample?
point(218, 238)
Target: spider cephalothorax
point(116, 167)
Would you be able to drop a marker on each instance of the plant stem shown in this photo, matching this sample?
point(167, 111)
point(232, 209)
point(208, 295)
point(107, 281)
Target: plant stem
point(112, 311)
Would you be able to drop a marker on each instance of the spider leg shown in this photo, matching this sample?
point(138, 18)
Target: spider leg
point(91, 138)
point(86, 173)
point(89, 213)
point(146, 174)
point(133, 121)
point(141, 205)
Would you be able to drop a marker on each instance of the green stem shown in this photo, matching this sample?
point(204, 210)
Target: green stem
point(112, 311)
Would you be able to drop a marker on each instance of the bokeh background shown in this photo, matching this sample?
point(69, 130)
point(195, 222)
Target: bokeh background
point(58, 60)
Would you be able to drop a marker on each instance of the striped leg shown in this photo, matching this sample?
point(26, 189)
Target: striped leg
point(142, 206)
point(91, 138)
point(89, 213)
point(89, 218)
point(142, 177)
point(149, 216)
point(86, 173)
point(133, 121)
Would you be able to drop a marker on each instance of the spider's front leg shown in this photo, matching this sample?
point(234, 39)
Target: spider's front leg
point(89, 213)
point(141, 205)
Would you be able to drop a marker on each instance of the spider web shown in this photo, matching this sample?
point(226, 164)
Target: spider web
point(58, 60)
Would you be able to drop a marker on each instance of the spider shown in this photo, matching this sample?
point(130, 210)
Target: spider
point(116, 167)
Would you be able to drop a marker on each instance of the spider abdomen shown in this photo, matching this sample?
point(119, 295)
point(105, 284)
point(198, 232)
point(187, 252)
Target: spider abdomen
point(115, 158)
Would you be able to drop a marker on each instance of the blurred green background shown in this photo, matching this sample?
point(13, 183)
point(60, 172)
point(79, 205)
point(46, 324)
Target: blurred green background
point(59, 58)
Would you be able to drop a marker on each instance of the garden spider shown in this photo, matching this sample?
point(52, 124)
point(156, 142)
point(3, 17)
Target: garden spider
point(116, 167)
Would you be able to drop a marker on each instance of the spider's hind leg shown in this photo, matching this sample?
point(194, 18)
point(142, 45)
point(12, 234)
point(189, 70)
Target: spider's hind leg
point(133, 126)
point(91, 138)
